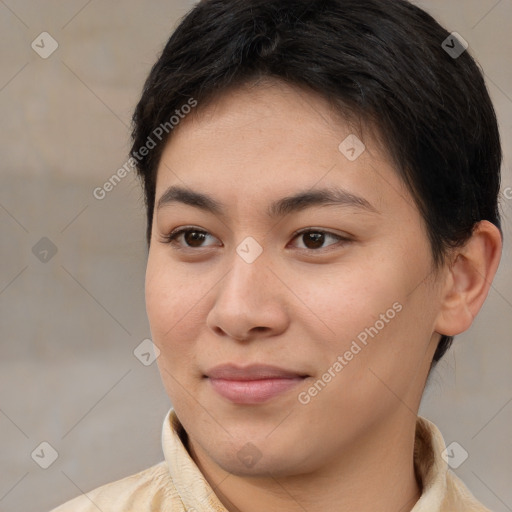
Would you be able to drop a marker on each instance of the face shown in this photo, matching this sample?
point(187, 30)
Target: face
point(336, 299)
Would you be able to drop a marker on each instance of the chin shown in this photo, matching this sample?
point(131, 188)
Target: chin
point(246, 459)
point(260, 468)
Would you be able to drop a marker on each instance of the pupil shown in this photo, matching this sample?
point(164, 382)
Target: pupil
point(315, 238)
point(194, 236)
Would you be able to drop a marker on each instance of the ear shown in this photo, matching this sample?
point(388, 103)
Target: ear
point(468, 279)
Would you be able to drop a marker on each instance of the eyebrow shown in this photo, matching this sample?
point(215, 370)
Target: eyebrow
point(284, 206)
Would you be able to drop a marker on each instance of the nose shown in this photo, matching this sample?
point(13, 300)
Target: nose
point(250, 302)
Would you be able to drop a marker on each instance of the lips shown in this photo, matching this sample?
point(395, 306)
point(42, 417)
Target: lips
point(252, 372)
point(252, 384)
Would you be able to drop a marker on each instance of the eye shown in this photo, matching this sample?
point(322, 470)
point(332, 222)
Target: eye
point(314, 238)
point(192, 237)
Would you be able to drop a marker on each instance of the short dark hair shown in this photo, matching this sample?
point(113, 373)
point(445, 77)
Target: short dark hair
point(380, 60)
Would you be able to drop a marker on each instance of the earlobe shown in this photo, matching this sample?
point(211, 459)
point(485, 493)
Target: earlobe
point(468, 279)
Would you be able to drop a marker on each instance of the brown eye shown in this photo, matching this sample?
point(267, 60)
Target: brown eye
point(192, 238)
point(315, 239)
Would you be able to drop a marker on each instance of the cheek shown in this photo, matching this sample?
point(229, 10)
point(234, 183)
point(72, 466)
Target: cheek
point(173, 305)
point(381, 341)
point(379, 306)
point(345, 302)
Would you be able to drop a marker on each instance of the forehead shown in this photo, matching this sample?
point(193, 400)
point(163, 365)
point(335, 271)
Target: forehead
point(264, 141)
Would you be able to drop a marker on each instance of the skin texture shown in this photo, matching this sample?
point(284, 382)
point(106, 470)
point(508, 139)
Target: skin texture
point(300, 307)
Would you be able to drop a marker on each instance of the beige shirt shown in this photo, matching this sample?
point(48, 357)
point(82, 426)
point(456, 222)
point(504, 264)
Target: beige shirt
point(177, 484)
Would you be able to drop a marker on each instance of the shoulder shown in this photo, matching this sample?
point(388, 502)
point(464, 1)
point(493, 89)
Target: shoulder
point(148, 490)
point(459, 498)
point(443, 491)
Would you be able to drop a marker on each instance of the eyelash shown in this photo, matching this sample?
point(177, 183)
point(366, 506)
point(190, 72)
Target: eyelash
point(171, 238)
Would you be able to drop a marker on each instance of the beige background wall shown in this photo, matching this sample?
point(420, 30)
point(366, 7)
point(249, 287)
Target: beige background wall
point(69, 325)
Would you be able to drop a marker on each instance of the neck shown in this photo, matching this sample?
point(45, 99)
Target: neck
point(377, 469)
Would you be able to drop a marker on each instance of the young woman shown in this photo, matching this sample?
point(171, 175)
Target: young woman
point(321, 181)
